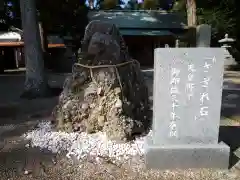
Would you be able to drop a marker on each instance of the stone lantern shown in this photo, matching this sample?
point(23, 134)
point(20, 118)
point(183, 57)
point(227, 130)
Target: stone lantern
point(226, 43)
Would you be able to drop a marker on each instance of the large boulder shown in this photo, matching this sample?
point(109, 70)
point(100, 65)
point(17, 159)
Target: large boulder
point(106, 91)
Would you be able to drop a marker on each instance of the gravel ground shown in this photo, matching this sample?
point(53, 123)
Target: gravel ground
point(81, 156)
point(83, 145)
point(25, 156)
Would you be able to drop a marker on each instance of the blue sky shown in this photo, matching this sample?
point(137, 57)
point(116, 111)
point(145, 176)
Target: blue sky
point(9, 3)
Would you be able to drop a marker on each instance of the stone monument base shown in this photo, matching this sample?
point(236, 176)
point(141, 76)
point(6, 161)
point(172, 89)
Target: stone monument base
point(186, 156)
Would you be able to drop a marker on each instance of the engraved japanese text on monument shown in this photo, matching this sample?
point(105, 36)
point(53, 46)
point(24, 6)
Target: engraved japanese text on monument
point(174, 91)
point(190, 85)
point(204, 95)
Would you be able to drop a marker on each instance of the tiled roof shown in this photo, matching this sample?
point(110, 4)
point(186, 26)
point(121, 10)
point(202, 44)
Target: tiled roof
point(140, 19)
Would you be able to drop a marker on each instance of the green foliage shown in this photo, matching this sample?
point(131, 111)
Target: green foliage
point(220, 14)
point(108, 4)
point(179, 6)
point(70, 16)
point(7, 20)
point(220, 20)
point(64, 16)
point(150, 4)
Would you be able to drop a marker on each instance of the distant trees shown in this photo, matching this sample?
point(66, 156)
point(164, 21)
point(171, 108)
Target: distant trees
point(132, 5)
point(222, 15)
point(187, 7)
point(9, 13)
point(108, 4)
point(70, 16)
point(150, 4)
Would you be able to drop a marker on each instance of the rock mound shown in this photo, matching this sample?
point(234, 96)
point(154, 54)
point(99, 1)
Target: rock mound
point(106, 91)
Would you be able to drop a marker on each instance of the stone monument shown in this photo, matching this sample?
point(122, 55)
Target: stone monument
point(203, 35)
point(186, 110)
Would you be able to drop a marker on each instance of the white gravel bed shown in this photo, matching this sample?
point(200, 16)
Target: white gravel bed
point(83, 145)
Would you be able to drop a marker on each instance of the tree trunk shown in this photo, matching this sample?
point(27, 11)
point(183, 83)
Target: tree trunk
point(191, 13)
point(35, 82)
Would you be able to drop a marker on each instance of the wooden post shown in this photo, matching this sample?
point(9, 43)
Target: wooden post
point(191, 12)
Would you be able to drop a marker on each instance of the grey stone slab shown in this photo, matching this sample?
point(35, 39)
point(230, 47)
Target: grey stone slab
point(203, 35)
point(187, 95)
point(186, 156)
point(190, 124)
